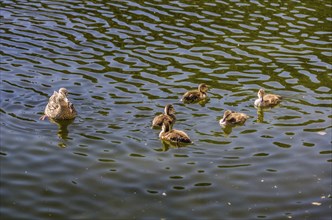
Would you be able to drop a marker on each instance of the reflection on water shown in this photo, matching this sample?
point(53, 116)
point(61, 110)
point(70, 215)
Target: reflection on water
point(62, 130)
point(260, 115)
point(166, 145)
point(227, 129)
point(124, 60)
point(261, 111)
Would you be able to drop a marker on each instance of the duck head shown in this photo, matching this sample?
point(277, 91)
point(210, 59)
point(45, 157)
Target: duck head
point(261, 94)
point(63, 100)
point(169, 109)
point(63, 91)
point(226, 114)
point(203, 88)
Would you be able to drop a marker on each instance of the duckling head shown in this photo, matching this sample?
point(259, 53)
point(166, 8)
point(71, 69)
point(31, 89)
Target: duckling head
point(226, 114)
point(169, 109)
point(261, 93)
point(203, 87)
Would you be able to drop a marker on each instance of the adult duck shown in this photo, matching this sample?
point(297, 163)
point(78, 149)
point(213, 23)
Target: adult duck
point(59, 107)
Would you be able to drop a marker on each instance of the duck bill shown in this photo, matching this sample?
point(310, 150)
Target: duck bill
point(223, 121)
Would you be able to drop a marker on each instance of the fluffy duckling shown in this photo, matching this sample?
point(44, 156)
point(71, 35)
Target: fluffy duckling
point(59, 107)
point(195, 95)
point(172, 135)
point(167, 116)
point(233, 118)
point(267, 100)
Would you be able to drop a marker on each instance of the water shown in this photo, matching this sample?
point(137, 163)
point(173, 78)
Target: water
point(122, 62)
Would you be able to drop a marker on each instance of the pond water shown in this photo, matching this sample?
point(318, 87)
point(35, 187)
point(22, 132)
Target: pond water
point(122, 62)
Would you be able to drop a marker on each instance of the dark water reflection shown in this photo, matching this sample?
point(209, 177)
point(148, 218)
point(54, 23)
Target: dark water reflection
point(122, 62)
point(63, 132)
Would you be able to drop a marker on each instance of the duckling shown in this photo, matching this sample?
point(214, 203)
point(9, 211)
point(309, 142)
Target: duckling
point(172, 135)
point(167, 116)
point(59, 107)
point(233, 118)
point(267, 100)
point(196, 95)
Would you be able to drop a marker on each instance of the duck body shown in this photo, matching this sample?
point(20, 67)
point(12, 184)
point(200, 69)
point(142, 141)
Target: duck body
point(233, 118)
point(267, 100)
point(168, 117)
point(172, 135)
point(195, 95)
point(59, 107)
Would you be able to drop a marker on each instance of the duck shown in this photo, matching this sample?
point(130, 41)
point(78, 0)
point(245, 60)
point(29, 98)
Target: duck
point(167, 116)
point(233, 118)
point(172, 135)
point(59, 107)
point(195, 95)
point(267, 100)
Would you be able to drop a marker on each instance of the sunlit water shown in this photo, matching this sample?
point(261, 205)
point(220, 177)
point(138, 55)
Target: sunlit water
point(122, 62)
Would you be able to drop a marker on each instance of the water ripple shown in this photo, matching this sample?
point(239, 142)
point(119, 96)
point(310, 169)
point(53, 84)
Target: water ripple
point(122, 62)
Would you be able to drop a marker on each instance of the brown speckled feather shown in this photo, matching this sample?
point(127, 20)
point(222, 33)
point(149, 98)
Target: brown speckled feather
point(176, 136)
point(233, 118)
point(195, 95)
point(173, 135)
point(191, 96)
point(160, 119)
point(267, 100)
point(59, 107)
point(167, 117)
point(272, 99)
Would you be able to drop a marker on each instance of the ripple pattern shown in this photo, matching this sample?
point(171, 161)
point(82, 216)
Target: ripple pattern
point(122, 62)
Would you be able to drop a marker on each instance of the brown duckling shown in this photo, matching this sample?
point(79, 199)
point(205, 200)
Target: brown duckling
point(167, 116)
point(59, 107)
point(196, 95)
point(172, 135)
point(233, 118)
point(267, 100)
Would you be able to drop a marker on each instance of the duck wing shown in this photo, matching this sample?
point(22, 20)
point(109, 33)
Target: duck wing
point(53, 102)
point(191, 96)
point(241, 117)
point(272, 99)
point(178, 136)
point(158, 120)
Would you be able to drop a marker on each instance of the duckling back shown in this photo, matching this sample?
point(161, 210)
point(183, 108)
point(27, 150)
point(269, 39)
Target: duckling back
point(160, 119)
point(172, 135)
point(233, 118)
point(192, 96)
point(195, 95)
point(176, 136)
point(269, 100)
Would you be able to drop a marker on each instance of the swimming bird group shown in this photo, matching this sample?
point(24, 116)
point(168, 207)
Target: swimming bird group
point(60, 108)
point(230, 118)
